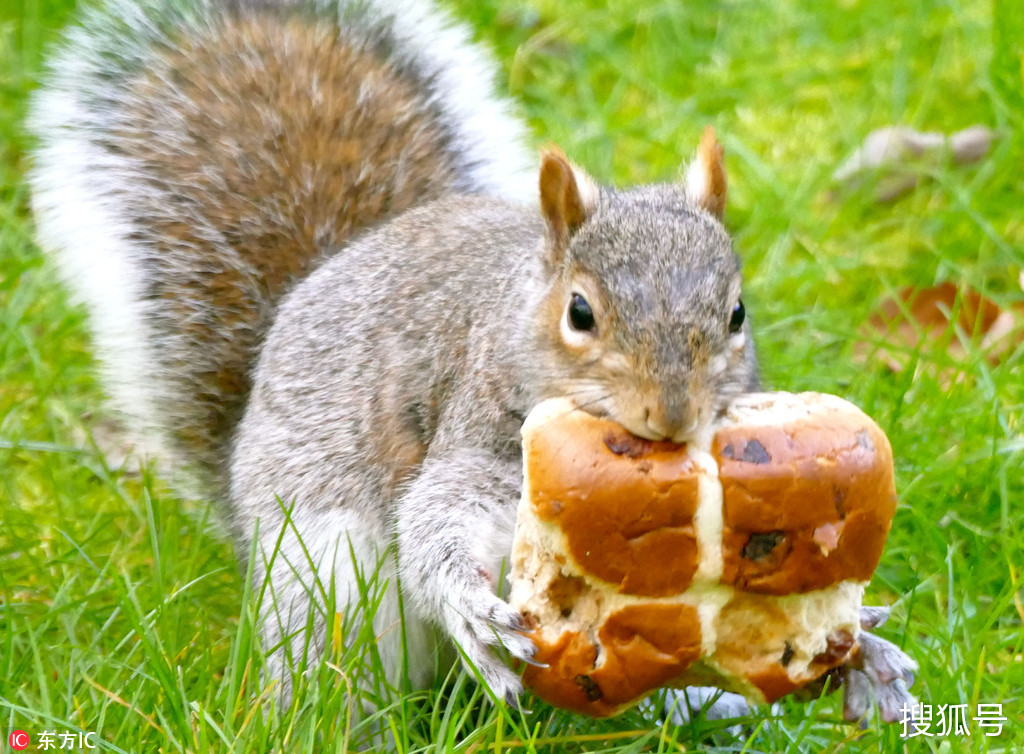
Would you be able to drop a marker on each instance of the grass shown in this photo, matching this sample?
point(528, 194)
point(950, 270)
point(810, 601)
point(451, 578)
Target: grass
point(122, 611)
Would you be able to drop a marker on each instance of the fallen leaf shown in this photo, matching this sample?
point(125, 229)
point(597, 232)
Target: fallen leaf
point(945, 315)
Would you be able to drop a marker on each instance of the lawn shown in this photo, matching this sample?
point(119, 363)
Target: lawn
point(122, 609)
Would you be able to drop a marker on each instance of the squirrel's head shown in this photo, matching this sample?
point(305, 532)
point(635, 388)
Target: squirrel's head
point(643, 319)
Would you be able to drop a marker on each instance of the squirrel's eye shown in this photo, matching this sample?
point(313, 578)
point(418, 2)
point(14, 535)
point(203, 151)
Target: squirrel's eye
point(738, 315)
point(581, 317)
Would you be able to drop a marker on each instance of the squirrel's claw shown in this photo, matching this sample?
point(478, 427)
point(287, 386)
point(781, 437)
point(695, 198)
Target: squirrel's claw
point(515, 701)
point(880, 671)
point(856, 695)
point(894, 700)
point(884, 662)
point(481, 623)
point(871, 617)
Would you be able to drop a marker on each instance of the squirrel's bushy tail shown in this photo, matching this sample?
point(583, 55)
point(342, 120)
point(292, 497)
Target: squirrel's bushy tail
point(195, 157)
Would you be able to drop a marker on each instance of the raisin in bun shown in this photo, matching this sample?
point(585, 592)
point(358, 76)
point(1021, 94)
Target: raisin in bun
point(739, 562)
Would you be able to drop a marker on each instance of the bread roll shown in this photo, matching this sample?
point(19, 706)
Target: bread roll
point(738, 562)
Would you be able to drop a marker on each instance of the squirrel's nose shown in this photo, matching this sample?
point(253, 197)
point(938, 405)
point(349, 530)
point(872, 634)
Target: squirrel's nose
point(677, 423)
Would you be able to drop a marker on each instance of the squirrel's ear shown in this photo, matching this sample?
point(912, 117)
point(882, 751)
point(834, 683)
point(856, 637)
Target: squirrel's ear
point(567, 196)
point(705, 177)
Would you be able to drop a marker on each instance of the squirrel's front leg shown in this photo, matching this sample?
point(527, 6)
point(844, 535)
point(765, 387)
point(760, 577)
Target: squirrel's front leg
point(455, 525)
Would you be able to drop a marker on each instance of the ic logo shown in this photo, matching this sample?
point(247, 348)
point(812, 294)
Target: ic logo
point(18, 740)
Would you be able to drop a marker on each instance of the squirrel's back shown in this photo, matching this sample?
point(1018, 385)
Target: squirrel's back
point(195, 158)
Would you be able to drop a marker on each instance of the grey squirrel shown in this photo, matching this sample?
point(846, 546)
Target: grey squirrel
point(320, 280)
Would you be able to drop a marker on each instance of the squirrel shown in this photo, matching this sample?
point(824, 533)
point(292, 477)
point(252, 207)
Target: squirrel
point(325, 281)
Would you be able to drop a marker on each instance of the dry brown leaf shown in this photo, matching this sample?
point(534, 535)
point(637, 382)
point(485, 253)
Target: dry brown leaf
point(922, 318)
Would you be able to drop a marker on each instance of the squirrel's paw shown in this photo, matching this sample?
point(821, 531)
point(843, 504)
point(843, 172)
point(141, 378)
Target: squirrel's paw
point(880, 671)
point(479, 623)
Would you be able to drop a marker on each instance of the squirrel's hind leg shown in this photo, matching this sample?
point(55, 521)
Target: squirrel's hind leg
point(331, 596)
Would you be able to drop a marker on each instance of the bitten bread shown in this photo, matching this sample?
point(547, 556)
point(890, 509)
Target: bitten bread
point(738, 562)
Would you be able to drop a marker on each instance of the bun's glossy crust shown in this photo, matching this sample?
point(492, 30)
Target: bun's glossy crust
point(645, 646)
point(625, 504)
point(807, 503)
